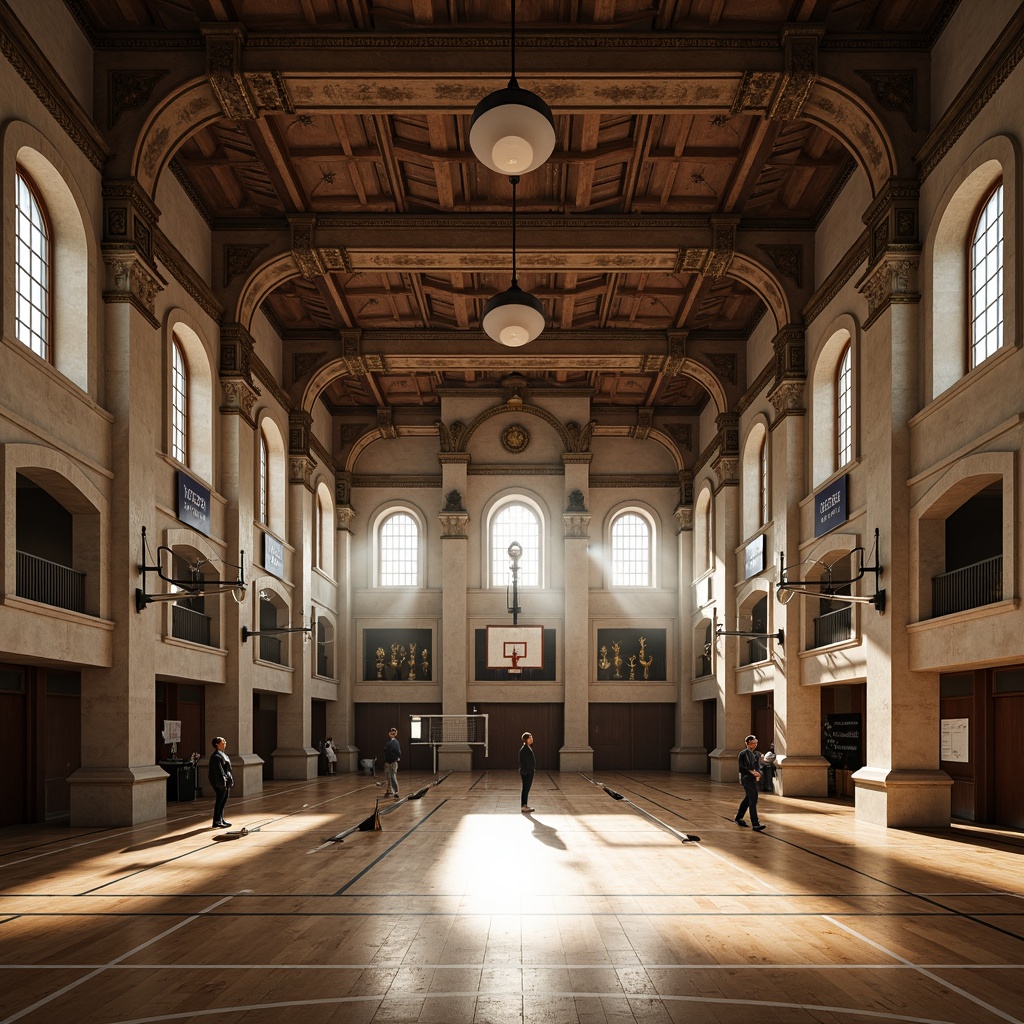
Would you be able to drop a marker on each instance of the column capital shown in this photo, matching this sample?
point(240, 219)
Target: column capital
point(454, 524)
point(131, 279)
point(577, 525)
point(892, 280)
point(239, 398)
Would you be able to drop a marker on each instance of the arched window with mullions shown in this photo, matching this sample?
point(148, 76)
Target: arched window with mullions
point(399, 551)
point(762, 482)
point(631, 550)
point(515, 521)
point(844, 409)
point(179, 404)
point(32, 269)
point(986, 286)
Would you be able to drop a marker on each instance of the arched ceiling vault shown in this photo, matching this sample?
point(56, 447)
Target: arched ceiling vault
point(698, 148)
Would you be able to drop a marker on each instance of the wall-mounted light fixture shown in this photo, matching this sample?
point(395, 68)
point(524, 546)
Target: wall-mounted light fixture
point(515, 552)
point(195, 586)
point(513, 317)
point(278, 630)
point(779, 636)
point(827, 586)
point(512, 130)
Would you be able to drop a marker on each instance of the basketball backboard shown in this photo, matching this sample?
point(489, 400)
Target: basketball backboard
point(515, 647)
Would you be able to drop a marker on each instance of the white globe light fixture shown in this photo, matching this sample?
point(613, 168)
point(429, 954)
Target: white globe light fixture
point(512, 130)
point(513, 317)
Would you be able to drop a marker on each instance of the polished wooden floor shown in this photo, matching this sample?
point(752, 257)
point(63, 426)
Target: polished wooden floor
point(461, 909)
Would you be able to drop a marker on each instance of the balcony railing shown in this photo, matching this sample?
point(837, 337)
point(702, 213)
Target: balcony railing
point(188, 624)
point(833, 627)
point(757, 650)
point(50, 583)
point(969, 587)
point(270, 649)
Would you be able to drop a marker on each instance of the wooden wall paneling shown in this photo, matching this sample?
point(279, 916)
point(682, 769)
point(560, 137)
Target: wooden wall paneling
point(653, 736)
point(1008, 794)
point(264, 731)
point(372, 722)
point(962, 772)
point(14, 732)
point(61, 741)
point(710, 731)
point(611, 735)
point(506, 724)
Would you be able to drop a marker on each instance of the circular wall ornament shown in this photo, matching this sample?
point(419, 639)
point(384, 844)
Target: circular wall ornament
point(515, 438)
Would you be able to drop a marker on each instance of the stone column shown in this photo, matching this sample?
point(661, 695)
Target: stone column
point(733, 708)
point(901, 784)
point(797, 708)
point(118, 784)
point(294, 756)
point(688, 754)
point(228, 706)
point(454, 521)
point(341, 712)
point(576, 753)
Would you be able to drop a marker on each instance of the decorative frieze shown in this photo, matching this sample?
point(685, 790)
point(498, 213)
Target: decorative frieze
point(895, 90)
point(683, 515)
point(892, 280)
point(450, 435)
point(129, 89)
point(131, 280)
point(238, 259)
point(787, 260)
point(343, 516)
point(787, 398)
point(454, 524)
point(641, 430)
point(239, 398)
point(300, 471)
point(577, 525)
point(580, 437)
point(386, 423)
point(236, 353)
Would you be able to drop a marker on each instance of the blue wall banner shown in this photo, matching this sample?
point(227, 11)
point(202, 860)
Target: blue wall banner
point(193, 503)
point(273, 556)
point(830, 506)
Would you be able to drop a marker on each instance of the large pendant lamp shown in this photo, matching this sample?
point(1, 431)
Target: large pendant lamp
point(512, 130)
point(513, 317)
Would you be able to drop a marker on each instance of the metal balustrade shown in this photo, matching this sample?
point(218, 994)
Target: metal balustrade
point(969, 587)
point(188, 624)
point(757, 650)
point(833, 627)
point(49, 583)
point(270, 649)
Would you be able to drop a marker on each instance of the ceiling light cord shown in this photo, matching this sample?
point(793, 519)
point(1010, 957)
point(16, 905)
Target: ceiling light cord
point(514, 180)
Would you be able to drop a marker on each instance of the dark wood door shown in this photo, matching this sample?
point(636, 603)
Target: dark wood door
point(506, 724)
point(372, 722)
point(14, 729)
point(1008, 720)
point(632, 737)
point(63, 741)
point(710, 728)
point(264, 730)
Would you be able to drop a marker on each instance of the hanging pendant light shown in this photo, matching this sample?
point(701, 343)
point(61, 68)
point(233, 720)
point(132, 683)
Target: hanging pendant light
point(512, 130)
point(513, 317)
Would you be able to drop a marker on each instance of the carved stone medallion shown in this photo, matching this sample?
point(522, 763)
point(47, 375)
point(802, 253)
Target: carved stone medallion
point(515, 438)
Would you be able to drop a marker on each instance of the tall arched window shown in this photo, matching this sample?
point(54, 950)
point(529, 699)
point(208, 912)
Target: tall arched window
point(32, 269)
point(179, 404)
point(631, 551)
point(264, 484)
point(987, 279)
point(515, 522)
point(844, 409)
point(399, 551)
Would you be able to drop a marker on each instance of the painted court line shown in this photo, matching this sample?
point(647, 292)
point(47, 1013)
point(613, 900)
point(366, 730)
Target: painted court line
point(113, 963)
point(927, 973)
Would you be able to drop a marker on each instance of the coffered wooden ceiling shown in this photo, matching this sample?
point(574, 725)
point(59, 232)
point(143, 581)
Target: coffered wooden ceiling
point(392, 183)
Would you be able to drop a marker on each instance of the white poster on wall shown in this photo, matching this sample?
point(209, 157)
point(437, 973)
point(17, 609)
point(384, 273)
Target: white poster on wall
point(954, 739)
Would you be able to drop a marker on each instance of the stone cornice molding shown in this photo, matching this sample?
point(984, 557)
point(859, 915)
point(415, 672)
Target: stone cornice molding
point(841, 274)
point(1004, 55)
point(39, 75)
point(263, 374)
point(764, 378)
point(392, 480)
point(324, 457)
point(168, 255)
point(633, 481)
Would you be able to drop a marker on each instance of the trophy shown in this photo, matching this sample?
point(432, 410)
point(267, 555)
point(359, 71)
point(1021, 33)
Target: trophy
point(380, 662)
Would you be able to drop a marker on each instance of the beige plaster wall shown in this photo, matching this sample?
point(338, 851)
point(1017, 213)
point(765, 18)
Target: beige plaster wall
point(54, 30)
point(841, 227)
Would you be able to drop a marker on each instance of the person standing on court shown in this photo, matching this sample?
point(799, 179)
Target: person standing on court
point(221, 779)
point(392, 755)
point(330, 754)
point(527, 766)
point(750, 776)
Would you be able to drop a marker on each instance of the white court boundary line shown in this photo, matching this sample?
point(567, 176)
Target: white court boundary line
point(977, 1000)
point(113, 963)
point(497, 993)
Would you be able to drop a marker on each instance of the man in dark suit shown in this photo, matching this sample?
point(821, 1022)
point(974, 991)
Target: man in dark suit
point(527, 766)
point(750, 776)
point(221, 779)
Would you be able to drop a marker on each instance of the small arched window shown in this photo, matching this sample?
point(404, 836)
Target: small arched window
point(264, 482)
point(515, 522)
point(179, 404)
point(844, 409)
point(32, 269)
point(986, 259)
point(631, 551)
point(399, 551)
